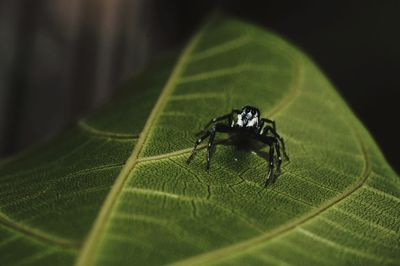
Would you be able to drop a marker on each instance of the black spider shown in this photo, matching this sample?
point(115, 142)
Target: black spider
point(247, 124)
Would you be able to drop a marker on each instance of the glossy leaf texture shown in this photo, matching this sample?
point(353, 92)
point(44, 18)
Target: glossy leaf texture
point(116, 189)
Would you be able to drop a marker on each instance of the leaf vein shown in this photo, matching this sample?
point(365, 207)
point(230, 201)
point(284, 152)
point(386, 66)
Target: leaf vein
point(38, 234)
point(83, 125)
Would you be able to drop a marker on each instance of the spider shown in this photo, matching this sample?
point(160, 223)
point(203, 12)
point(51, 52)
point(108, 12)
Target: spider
point(248, 124)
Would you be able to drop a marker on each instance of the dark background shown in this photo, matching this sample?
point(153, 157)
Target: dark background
point(60, 59)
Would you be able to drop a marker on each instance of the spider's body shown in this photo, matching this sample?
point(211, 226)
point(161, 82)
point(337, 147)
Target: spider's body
point(248, 124)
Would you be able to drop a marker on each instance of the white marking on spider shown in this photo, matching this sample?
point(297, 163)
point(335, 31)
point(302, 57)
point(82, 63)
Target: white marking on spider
point(240, 121)
point(252, 122)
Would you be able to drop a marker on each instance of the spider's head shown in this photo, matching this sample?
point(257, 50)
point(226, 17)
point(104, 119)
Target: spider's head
point(248, 117)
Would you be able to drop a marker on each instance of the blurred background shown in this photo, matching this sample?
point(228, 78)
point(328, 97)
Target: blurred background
point(60, 59)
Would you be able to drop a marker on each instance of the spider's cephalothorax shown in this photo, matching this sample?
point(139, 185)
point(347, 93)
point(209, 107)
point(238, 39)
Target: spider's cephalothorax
point(246, 122)
point(249, 117)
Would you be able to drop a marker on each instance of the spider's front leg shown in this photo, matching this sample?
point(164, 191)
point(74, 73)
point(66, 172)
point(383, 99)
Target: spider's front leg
point(266, 120)
point(198, 141)
point(216, 128)
point(220, 118)
point(211, 132)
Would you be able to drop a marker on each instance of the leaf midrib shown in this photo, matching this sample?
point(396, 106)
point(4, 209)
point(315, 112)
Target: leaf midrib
point(90, 244)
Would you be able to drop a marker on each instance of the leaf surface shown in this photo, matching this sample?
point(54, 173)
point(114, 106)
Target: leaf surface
point(116, 190)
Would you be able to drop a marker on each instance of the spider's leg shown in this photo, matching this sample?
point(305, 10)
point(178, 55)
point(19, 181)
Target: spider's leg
point(282, 143)
point(278, 153)
point(210, 146)
point(218, 119)
point(270, 176)
point(212, 121)
point(280, 139)
point(198, 141)
point(284, 148)
point(217, 128)
point(269, 121)
point(270, 142)
point(260, 128)
point(264, 131)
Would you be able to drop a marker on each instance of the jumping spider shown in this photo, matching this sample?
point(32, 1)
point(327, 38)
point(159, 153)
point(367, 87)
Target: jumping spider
point(248, 124)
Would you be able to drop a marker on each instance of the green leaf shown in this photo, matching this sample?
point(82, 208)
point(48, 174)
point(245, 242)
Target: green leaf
point(116, 189)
